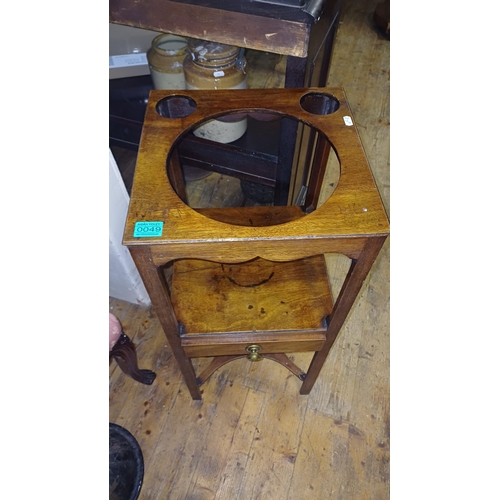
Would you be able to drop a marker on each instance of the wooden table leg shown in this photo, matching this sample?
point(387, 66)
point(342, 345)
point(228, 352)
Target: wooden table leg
point(350, 289)
point(160, 299)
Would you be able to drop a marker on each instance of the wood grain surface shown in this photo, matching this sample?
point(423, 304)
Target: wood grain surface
point(255, 296)
point(273, 34)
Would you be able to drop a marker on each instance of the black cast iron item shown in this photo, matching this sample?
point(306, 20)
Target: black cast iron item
point(126, 464)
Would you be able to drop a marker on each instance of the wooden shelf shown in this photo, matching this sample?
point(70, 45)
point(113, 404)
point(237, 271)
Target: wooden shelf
point(242, 23)
point(224, 307)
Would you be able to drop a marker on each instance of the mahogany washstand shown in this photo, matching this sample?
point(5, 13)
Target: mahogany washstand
point(251, 281)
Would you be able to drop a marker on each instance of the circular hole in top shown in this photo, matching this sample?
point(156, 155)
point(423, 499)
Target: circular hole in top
point(176, 106)
point(264, 168)
point(319, 103)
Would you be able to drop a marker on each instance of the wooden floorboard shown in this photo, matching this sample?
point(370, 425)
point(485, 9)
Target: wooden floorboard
point(253, 436)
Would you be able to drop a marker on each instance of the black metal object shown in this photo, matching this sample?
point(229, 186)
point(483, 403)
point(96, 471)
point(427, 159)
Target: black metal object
point(126, 464)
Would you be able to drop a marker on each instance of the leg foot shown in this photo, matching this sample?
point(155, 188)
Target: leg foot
point(124, 354)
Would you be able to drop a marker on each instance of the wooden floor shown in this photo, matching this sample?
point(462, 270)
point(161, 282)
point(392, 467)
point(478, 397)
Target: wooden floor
point(253, 436)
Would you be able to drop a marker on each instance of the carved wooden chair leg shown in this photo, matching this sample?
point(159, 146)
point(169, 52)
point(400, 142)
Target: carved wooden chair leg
point(123, 352)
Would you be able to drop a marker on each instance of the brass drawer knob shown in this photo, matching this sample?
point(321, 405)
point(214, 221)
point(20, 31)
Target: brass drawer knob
point(253, 351)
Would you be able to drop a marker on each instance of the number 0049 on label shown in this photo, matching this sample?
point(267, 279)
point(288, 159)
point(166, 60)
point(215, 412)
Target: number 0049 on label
point(148, 229)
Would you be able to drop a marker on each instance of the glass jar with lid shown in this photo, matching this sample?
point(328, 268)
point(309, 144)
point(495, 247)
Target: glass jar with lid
point(165, 58)
point(215, 66)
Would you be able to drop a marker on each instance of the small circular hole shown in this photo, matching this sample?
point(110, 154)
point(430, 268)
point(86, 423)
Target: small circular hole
point(176, 106)
point(319, 103)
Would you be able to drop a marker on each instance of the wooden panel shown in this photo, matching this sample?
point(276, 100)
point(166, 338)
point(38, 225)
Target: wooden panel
point(256, 296)
point(245, 250)
point(281, 337)
point(254, 216)
point(234, 28)
point(267, 347)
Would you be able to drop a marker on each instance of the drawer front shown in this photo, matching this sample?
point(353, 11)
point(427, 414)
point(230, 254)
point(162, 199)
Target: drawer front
point(266, 348)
